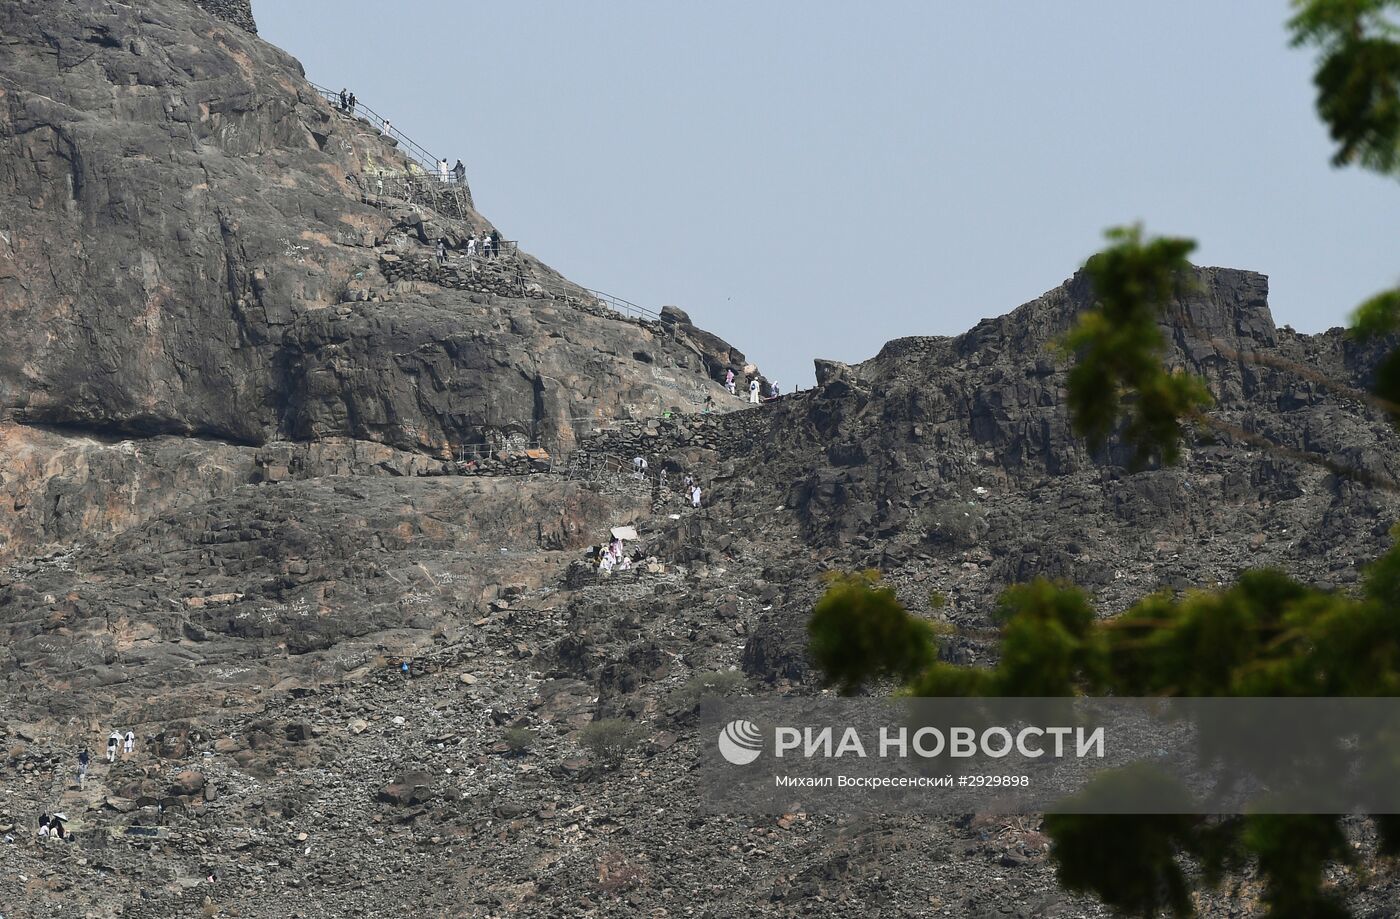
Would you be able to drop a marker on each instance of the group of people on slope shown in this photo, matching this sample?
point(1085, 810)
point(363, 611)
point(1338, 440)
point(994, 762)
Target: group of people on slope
point(755, 387)
point(126, 742)
point(457, 173)
point(613, 557)
point(53, 826)
point(116, 741)
point(487, 245)
point(690, 488)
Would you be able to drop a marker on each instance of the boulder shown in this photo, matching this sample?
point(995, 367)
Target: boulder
point(409, 789)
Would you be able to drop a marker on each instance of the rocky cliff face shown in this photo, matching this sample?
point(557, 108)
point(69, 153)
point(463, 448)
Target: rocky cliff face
point(190, 244)
point(233, 499)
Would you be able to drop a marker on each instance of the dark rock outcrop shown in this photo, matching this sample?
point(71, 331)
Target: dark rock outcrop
point(238, 12)
point(190, 246)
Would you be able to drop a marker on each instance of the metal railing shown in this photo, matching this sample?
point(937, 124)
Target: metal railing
point(626, 307)
point(414, 150)
point(505, 248)
point(467, 453)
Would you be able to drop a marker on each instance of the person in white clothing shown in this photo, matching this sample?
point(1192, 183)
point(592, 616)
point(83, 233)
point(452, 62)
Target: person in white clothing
point(471, 246)
point(444, 170)
point(130, 745)
point(114, 740)
point(695, 496)
point(753, 390)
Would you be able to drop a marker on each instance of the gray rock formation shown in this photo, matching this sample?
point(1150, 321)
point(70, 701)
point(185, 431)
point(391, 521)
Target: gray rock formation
point(222, 266)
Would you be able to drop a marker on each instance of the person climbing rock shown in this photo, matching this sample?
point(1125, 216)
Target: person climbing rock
point(695, 496)
point(459, 173)
point(772, 389)
point(129, 745)
point(471, 245)
point(442, 247)
point(83, 760)
point(114, 740)
point(753, 390)
point(729, 381)
point(344, 100)
point(353, 102)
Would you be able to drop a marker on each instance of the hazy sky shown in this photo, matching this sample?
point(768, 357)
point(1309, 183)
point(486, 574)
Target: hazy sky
point(811, 179)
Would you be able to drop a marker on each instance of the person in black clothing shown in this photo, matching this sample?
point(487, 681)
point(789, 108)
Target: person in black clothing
point(459, 172)
point(344, 100)
point(351, 107)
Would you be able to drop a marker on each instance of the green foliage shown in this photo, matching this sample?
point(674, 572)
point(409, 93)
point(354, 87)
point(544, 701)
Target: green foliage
point(859, 632)
point(710, 684)
point(1118, 348)
point(1357, 78)
point(1130, 862)
point(1266, 635)
point(1378, 316)
point(610, 739)
point(1048, 648)
point(1293, 851)
point(518, 740)
point(1048, 643)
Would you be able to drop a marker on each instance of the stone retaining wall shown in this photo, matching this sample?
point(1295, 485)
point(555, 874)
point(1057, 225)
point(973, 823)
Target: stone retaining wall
point(728, 434)
point(238, 12)
point(497, 277)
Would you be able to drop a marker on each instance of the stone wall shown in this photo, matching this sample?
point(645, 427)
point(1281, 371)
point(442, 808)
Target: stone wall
point(681, 442)
point(238, 12)
point(496, 277)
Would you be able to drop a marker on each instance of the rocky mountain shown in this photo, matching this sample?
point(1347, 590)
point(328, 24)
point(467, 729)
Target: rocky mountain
point(258, 449)
point(195, 243)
